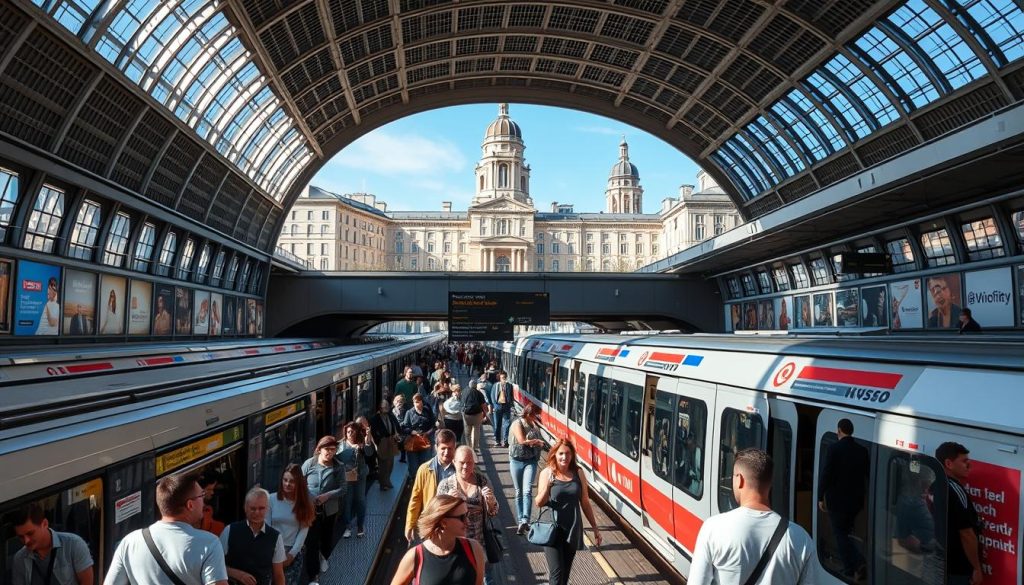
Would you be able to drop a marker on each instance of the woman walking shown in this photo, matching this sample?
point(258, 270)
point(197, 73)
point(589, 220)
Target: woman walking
point(446, 556)
point(291, 513)
point(325, 477)
point(523, 452)
point(371, 453)
point(451, 412)
point(472, 488)
point(352, 455)
point(419, 421)
point(564, 489)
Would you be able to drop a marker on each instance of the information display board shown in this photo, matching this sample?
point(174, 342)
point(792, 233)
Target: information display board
point(492, 316)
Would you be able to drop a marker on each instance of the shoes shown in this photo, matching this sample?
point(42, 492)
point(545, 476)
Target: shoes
point(524, 527)
point(861, 574)
point(347, 534)
point(361, 533)
point(505, 444)
point(323, 565)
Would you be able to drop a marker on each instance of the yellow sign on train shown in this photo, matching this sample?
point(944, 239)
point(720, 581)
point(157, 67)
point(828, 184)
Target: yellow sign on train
point(282, 413)
point(196, 450)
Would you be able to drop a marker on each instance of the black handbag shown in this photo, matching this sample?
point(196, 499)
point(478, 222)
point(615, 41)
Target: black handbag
point(492, 544)
point(544, 533)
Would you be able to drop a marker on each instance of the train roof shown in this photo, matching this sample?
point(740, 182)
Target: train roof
point(969, 381)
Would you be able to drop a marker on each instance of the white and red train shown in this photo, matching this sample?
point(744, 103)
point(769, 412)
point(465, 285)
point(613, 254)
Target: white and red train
point(657, 421)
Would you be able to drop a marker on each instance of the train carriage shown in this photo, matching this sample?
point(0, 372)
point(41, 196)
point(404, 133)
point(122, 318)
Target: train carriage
point(657, 422)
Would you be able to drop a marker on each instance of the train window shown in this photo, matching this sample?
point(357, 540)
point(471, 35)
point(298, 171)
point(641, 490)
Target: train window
point(781, 437)
point(828, 546)
point(634, 406)
point(624, 405)
point(688, 456)
point(284, 441)
point(595, 405)
point(563, 389)
point(128, 494)
point(364, 395)
point(740, 430)
point(577, 395)
point(663, 410)
point(616, 405)
point(77, 509)
point(908, 526)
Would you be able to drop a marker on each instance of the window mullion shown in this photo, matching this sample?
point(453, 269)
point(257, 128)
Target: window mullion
point(913, 50)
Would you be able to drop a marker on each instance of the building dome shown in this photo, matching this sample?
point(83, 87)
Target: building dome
point(624, 168)
point(503, 126)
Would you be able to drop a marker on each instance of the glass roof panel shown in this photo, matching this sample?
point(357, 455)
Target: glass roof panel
point(818, 120)
point(71, 14)
point(742, 162)
point(869, 94)
point(739, 178)
point(776, 146)
point(840, 103)
point(905, 76)
point(1001, 23)
point(953, 57)
point(794, 125)
point(763, 167)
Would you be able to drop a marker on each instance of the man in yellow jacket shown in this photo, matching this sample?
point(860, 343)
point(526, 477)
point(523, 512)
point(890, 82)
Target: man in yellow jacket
point(428, 476)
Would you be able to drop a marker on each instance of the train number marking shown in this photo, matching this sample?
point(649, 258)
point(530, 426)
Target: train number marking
point(784, 374)
point(868, 394)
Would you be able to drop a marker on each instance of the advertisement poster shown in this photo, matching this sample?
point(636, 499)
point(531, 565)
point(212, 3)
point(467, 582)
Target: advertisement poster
point(250, 316)
point(874, 306)
point(37, 301)
point(163, 319)
point(79, 303)
point(112, 304)
point(823, 310)
point(989, 295)
point(734, 323)
point(140, 307)
point(802, 308)
point(905, 311)
point(201, 325)
point(944, 301)
point(750, 316)
point(847, 308)
point(182, 311)
point(259, 317)
point(783, 308)
point(240, 328)
point(228, 320)
point(216, 305)
point(6, 280)
point(995, 493)
point(766, 315)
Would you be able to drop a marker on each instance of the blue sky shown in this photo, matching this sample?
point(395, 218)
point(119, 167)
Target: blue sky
point(417, 162)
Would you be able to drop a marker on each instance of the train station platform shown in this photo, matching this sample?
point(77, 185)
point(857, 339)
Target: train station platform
point(618, 561)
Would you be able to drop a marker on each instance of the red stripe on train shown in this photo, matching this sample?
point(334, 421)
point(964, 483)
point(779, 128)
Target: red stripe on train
point(853, 377)
point(85, 368)
point(672, 358)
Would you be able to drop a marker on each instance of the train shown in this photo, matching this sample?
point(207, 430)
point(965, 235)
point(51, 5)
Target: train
point(657, 421)
point(87, 433)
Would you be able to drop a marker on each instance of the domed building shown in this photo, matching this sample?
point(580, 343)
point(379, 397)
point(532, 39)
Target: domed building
point(502, 231)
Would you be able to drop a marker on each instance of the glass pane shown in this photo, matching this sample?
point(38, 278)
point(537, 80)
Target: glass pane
point(982, 239)
point(117, 240)
point(937, 248)
point(563, 389)
point(283, 445)
point(8, 199)
point(144, 248)
point(902, 254)
point(845, 474)
point(740, 430)
point(1002, 24)
point(664, 405)
point(87, 228)
point(688, 452)
point(44, 223)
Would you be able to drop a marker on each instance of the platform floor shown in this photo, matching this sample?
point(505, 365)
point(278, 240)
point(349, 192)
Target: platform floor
point(616, 561)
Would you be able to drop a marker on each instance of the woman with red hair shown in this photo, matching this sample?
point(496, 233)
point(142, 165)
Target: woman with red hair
point(291, 513)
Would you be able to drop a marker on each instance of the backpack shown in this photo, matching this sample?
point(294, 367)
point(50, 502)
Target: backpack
point(473, 403)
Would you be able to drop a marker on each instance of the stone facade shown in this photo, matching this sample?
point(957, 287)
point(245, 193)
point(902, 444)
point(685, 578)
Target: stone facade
point(502, 231)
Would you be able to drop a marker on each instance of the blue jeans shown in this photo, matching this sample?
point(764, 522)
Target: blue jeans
point(353, 504)
point(500, 418)
point(418, 458)
point(523, 473)
point(489, 573)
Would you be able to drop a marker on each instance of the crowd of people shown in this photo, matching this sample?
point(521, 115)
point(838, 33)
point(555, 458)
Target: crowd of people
point(435, 426)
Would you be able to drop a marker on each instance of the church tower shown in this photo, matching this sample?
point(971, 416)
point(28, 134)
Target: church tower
point(624, 193)
point(502, 170)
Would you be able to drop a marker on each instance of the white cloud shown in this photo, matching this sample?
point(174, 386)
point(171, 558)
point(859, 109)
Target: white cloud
point(387, 153)
point(605, 130)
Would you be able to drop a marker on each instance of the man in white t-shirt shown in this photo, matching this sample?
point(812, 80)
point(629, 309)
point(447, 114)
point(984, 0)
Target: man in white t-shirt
point(194, 556)
point(730, 545)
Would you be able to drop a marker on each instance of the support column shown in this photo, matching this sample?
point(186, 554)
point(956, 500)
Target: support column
point(480, 260)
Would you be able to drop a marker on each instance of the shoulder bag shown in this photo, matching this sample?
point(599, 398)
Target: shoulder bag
point(153, 550)
point(769, 551)
point(492, 544)
point(544, 533)
point(416, 443)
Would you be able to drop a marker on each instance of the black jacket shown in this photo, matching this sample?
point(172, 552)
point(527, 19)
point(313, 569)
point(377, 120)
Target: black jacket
point(843, 483)
point(379, 431)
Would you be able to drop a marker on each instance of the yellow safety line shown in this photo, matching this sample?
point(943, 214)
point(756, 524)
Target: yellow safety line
point(601, 561)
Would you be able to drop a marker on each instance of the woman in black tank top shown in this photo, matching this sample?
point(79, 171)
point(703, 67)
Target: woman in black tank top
point(446, 556)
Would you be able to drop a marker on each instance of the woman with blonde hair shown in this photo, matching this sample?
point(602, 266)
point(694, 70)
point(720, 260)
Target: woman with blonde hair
point(446, 556)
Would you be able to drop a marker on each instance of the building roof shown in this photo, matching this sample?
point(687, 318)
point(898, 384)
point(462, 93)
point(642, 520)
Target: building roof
point(439, 215)
point(599, 217)
point(624, 168)
point(503, 126)
point(318, 193)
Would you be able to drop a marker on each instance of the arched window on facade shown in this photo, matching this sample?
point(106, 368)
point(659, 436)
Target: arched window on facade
point(503, 264)
point(522, 184)
point(590, 264)
point(503, 176)
point(481, 182)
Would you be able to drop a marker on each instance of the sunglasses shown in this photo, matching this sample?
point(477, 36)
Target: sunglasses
point(461, 517)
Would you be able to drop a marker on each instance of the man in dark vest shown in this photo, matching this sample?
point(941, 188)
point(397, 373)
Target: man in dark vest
point(254, 550)
point(501, 408)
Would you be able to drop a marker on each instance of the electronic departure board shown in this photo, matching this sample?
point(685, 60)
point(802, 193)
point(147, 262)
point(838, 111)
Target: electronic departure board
point(492, 316)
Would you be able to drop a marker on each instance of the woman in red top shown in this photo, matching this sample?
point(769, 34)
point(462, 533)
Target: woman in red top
point(446, 556)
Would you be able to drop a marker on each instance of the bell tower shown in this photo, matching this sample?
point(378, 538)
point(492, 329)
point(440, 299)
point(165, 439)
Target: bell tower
point(624, 193)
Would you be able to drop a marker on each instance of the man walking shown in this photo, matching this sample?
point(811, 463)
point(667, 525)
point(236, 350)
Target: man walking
point(171, 545)
point(501, 409)
point(428, 475)
point(254, 552)
point(841, 492)
point(57, 558)
point(963, 561)
point(730, 546)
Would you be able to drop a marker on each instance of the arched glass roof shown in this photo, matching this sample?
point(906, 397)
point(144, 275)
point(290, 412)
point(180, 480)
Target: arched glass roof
point(775, 99)
point(189, 57)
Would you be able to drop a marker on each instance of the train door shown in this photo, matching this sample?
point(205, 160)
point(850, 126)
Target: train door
point(656, 495)
point(591, 431)
point(782, 428)
point(864, 433)
point(575, 403)
point(742, 422)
